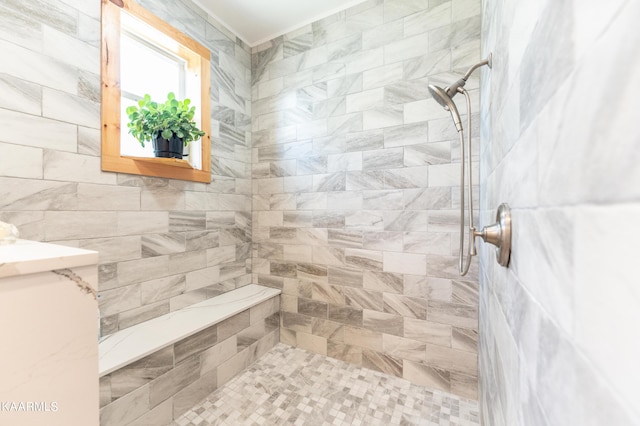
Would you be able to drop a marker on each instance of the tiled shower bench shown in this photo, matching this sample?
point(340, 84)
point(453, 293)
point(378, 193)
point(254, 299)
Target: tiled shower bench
point(153, 372)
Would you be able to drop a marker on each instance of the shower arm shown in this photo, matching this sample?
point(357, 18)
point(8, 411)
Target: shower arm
point(476, 66)
point(454, 88)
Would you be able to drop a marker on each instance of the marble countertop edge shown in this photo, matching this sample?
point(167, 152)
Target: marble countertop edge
point(30, 257)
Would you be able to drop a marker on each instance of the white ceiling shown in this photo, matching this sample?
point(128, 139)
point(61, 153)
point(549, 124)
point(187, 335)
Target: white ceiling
point(257, 21)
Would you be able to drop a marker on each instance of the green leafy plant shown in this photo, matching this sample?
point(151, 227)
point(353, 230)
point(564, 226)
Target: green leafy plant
point(150, 119)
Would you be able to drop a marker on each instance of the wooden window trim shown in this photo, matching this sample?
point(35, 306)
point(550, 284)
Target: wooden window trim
point(112, 160)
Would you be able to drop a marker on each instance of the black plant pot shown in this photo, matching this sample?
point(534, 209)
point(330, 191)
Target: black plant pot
point(167, 148)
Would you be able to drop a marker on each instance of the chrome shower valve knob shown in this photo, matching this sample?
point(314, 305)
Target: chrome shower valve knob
point(499, 234)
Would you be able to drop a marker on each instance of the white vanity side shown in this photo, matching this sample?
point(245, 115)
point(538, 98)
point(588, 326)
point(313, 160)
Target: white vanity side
point(48, 324)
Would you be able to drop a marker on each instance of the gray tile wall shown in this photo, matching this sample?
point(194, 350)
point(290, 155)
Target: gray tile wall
point(559, 328)
point(162, 386)
point(355, 188)
point(164, 244)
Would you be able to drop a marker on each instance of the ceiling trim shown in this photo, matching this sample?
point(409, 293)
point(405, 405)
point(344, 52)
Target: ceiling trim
point(258, 42)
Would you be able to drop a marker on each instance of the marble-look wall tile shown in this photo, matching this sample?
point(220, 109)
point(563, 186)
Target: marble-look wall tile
point(30, 130)
point(389, 324)
point(119, 299)
point(216, 355)
point(426, 375)
point(464, 339)
point(346, 315)
point(382, 76)
point(186, 398)
point(312, 308)
point(454, 314)
point(383, 281)
point(395, 9)
point(54, 113)
point(196, 343)
point(161, 289)
point(346, 213)
point(21, 96)
point(132, 223)
point(142, 269)
point(426, 154)
point(464, 385)
point(99, 224)
point(63, 166)
point(539, 320)
point(432, 332)
point(406, 349)
point(407, 48)
point(106, 198)
point(71, 50)
point(382, 241)
point(411, 177)
point(348, 353)
point(405, 306)
point(38, 68)
point(114, 249)
point(364, 299)
point(405, 263)
point(10, 164)
point(312, 343)
point(162, 413)
point(383, 159)
point(127, 408)
point(139, 315)
point(18, 28)
point(382, 200)
point(378, 118)
point(382, 362)
point(451, 359)
point(139, 373)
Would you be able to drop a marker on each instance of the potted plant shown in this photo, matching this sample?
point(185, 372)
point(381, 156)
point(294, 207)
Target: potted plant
point(169, 126)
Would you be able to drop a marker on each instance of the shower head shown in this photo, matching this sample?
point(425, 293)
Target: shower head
point(445, 96)
point(444, 99)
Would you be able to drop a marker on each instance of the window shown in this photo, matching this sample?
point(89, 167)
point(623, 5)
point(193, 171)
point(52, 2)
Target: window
point(142, 54)
point(145, 67)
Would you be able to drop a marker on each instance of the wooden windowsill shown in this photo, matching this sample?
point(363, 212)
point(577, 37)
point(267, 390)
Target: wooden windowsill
point(159, 167)
point(174, 162)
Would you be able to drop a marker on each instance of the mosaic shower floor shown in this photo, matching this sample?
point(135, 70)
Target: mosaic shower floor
point(290, 386)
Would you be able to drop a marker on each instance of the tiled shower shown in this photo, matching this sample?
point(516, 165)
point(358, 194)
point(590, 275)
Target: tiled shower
point(335, 179)
point(355, 190)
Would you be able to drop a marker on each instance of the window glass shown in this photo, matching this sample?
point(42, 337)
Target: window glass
point(145, 67)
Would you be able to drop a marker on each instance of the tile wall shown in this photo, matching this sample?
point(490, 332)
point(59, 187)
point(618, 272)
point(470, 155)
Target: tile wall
point(559, 328)
point(355, 188)
point(164, 244)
